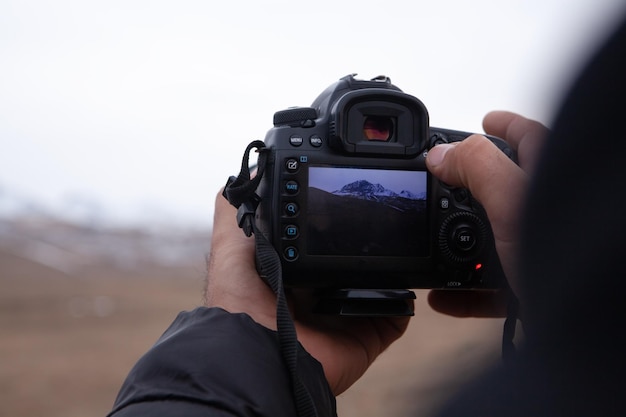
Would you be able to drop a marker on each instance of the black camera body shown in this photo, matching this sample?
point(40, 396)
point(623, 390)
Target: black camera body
point(347, 201)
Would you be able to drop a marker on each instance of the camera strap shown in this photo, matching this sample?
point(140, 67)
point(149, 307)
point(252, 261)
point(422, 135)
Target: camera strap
point(240, 192)
point(510, 323)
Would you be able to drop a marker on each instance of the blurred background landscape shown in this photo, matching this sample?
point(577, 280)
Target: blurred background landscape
point(80, 304)
point(120, 121)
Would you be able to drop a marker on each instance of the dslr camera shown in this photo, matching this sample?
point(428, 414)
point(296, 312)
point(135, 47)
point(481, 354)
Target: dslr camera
point(348, 204)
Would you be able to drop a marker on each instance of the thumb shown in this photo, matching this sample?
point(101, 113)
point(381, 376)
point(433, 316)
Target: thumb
point(494, 180)
point(478, 165)
point(469, 163)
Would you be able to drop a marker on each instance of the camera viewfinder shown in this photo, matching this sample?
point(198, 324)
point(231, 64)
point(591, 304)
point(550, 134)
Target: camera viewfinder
point(378, 128)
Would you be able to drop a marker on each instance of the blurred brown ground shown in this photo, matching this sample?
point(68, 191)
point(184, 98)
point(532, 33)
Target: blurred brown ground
point(72, 324)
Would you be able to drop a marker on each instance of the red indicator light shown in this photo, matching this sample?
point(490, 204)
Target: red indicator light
point(478, 266)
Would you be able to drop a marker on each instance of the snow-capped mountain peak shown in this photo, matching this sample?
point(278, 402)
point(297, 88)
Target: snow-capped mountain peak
point(364, 188)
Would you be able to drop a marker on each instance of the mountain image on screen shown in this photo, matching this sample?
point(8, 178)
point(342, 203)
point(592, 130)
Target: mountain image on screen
point(366, 190)
point(365, 219)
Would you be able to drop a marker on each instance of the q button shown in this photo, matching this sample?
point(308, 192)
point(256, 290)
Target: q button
point(291, 209)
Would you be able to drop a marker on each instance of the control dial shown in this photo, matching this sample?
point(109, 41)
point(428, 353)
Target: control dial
point(296, 116)
point(462, 237)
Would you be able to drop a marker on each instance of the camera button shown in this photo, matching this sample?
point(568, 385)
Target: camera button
point(292, 187)
point(291, 209)
point(291, 231)
point(464, 238)
point(437, 139)
point(290, 253)
point(315, 141)
point(296, 140)
point(292, 164)
point(461, 195)
point(444, 203)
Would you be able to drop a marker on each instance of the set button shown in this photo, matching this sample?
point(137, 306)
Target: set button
point(464, 238)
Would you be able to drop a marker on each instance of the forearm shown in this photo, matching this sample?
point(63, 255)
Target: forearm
point(213, 362)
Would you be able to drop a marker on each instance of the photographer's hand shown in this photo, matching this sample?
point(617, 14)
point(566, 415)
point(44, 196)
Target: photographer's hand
point(500, 186)
point(344, 346)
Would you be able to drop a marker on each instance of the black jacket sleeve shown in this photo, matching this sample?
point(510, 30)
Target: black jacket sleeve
point(213, 363)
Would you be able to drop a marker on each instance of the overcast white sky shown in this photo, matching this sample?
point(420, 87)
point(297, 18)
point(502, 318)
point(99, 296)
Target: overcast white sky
point(138, 110)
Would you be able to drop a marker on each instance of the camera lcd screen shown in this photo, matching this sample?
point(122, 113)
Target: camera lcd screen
point(367, 212)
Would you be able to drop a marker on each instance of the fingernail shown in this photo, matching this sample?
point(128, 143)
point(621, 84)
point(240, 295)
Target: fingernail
point(437, 154)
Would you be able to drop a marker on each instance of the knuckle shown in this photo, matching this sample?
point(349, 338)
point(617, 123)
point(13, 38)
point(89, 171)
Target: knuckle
point(474, 156)
point(474, 146)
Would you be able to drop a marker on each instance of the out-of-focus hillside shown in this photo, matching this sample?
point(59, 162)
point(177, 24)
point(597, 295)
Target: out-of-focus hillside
point(79, 305)
point(68, 247)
